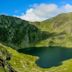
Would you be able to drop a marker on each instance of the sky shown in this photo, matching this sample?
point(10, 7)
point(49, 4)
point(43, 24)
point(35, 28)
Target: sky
point(35, 10)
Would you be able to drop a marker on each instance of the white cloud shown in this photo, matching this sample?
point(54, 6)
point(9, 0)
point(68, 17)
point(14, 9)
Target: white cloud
point(40, 12)
point(68, 8)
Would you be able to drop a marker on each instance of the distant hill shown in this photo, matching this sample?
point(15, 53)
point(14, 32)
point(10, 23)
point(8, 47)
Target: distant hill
point(60, 24)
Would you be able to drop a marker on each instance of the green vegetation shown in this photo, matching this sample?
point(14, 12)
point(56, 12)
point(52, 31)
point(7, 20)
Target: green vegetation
point(5, 57)
point(36, 46)
point(18, 33)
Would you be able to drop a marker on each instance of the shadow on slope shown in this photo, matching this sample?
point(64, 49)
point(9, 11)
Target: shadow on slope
point(20, 33)
point(48, 56)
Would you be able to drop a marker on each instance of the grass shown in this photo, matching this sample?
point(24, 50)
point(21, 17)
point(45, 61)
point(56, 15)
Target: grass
point(27, 63)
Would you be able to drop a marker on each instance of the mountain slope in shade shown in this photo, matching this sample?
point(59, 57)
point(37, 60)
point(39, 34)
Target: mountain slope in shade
point(19, 33)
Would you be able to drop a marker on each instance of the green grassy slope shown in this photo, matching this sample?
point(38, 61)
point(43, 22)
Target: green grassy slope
point(36, 47)
point(19, 33)
point(62, 25)
point(21, 62)
point(61, 22)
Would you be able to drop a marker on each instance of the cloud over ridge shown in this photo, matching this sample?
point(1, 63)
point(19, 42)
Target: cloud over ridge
point(40, 12)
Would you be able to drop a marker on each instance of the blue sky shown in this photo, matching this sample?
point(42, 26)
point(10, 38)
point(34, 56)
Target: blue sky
point(22, 7)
